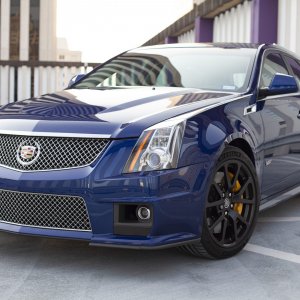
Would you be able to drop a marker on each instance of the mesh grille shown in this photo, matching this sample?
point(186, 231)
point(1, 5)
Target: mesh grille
point(54, 152)
point(41, 210)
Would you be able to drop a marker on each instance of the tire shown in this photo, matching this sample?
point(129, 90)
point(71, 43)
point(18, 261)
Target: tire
point(231, 208)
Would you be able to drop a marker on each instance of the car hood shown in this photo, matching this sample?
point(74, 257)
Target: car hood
point(117, 113)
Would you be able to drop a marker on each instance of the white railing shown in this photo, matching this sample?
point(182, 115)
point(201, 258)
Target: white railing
point(289, 24)
point(21, 80)
point(234, 25)
point(187, 37)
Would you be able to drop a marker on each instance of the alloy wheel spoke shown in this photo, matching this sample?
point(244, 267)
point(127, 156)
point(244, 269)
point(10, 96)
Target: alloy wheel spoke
point(217, 222)
point(228, 179)
point(224, 230)
point(218, 189)
point(237, 173)
point(233, 215)
point(244, 186)
point(242, 219)
point(215, 203)
point(235, 231)
point(246, 201)
point(239, 199)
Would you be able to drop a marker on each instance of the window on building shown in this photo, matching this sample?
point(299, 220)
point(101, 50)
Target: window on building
point(0, 25)
point(14, 44)
point(34, 28)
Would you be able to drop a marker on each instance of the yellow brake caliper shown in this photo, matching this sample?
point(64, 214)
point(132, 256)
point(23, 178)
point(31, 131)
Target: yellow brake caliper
point(238, 207)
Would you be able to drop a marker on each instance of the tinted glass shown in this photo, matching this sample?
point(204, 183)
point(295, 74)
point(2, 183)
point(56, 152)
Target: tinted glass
point(14, 43)
point(295, 65)
point(204, 68)
point(34, 29)
point(273, 64)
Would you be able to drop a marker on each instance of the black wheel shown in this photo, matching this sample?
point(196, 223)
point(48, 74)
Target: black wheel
point(231, 207)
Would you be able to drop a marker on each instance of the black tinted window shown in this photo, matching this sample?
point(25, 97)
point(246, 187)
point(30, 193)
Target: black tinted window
point(295, 65)
point(272, 64)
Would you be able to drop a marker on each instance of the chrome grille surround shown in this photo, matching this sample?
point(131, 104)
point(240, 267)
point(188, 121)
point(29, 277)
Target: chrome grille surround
point(44, 211)
point(55, 152)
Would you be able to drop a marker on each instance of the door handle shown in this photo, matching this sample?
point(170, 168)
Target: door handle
point(298, 116)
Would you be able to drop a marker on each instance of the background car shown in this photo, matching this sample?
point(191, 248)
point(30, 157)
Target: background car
point(170, 145)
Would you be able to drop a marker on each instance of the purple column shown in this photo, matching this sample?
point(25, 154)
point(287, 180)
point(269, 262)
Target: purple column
point(203, 30)
point(171, 40)
point(264, 21)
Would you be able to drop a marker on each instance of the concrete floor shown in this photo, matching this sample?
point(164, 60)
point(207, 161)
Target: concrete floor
point(269, 267)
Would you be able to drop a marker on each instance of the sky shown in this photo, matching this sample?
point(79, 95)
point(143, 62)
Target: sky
point(104, 28)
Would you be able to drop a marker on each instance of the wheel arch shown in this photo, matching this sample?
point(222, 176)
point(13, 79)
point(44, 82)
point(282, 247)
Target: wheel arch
point(244, 146)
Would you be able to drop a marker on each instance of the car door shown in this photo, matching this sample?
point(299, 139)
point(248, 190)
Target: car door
point(280, 115)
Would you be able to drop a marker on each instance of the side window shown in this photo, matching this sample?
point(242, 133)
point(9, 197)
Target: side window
point(295, 66)
point(272, 64)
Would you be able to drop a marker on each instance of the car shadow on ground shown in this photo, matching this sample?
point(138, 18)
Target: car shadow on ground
point(79, 256)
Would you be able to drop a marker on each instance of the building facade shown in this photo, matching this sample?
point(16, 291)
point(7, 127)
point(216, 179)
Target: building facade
point(31, 61)
point(243, 21)
point(23, 35)
point(64, 54)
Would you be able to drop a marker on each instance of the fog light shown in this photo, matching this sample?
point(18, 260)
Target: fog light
point(143, 213)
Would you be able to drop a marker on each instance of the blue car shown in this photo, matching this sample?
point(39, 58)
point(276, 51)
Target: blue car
point(169, 145)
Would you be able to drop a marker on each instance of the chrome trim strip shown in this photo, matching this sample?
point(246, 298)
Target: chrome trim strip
point(55, 134)
point(250, 109)
point(40, 227)
point(280, 96)
point(48, 170)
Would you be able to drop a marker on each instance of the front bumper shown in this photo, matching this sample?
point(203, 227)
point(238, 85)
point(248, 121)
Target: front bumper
point(176, 197)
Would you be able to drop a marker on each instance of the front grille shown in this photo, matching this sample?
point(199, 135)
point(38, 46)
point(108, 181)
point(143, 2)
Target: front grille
point(44, 210)
point(50, 152)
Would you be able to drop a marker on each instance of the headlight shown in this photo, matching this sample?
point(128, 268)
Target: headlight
point(158, 147)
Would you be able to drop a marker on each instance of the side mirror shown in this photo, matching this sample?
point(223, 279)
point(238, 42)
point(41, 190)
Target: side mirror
point(75, 79)
point(280, 84)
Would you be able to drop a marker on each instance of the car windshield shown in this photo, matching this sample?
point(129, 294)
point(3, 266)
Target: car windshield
point(206, 68)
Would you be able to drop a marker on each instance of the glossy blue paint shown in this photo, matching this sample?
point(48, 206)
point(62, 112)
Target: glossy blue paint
point(117, 113)
point(75, 79)
point(284, 84)
point(177, 196)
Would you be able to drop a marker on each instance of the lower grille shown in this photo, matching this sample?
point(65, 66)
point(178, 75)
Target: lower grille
point(44, 210)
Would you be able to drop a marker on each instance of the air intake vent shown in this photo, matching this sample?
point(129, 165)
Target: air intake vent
point(44, 210)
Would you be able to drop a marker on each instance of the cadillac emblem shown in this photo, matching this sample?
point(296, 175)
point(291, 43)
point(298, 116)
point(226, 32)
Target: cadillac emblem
point(28, 152)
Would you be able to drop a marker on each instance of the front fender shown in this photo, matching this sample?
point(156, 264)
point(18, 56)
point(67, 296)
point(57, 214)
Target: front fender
point(208, 133)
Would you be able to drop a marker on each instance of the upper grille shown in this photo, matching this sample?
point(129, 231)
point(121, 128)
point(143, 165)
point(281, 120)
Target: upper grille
point(54, 152)
point(44, 210)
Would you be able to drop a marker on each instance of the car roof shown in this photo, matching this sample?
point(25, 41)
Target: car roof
point(204, 45)
point(259, 46)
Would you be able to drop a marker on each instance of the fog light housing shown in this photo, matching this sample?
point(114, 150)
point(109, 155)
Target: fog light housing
point(133, 219)
point(143, 213)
